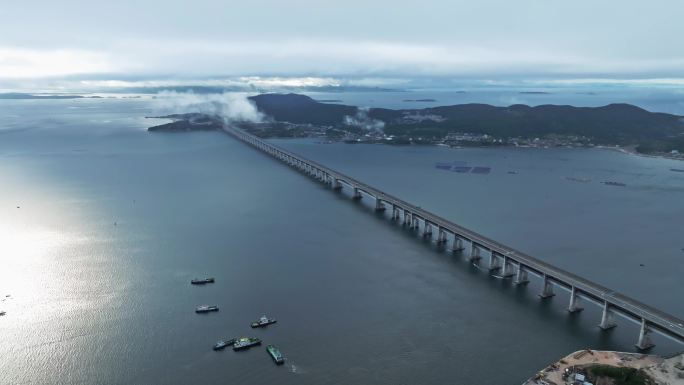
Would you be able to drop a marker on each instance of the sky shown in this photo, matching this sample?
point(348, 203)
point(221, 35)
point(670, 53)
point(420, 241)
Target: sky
point(322, 42)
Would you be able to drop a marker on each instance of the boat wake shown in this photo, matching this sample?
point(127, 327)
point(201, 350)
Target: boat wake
point(295, 369)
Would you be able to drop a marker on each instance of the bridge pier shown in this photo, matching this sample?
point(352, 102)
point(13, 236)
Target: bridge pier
point(442, 237)
point(493, 262)
point(547, 288)
point(414, 222)
point(427, 229)
point(474, 252)
point(407, 218)
point(607, 317)
point(521, 275)
point(379, 206)
point(644, 342)
point(395, 213)
point(574, 306)
point(357, 194)
point(337, 185)
point(458, 243)
point(505, 268)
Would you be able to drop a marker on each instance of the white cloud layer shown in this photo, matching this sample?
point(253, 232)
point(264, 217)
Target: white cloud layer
point(320, 61)
point(333, 39)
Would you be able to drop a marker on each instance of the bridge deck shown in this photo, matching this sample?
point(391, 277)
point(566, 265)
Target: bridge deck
point(665, 323)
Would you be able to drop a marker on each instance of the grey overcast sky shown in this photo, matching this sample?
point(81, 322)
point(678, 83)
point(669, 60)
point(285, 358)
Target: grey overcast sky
point(126, 39)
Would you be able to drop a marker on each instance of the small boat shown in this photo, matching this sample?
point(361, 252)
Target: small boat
point(583, 180)
point(222, 344)
point(206, 308)
point(202, 281)
point(677, 169)
point(263, 321)
point(246, 343)
point(611, 183)
point(2, 312)
point(275, 354)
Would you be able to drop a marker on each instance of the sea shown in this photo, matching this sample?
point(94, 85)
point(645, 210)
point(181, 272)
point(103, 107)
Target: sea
point(103, 225)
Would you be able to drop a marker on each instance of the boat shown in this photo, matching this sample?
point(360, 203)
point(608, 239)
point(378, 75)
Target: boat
point(198, 281)
point(275, 354)
point(246, 343)
point(206, 308)
point(2, 312)
point(263, 321)
point(611, 183)
point(677, 169)
point(583, 180)
point(222, 344)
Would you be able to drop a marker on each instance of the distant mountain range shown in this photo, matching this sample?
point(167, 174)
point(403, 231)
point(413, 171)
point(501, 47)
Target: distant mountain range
point(613, 124)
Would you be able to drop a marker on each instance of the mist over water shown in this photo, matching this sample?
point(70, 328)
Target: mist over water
point(113, 223)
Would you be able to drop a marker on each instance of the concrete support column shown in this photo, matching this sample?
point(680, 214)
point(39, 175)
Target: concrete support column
point(474, 252)
point(644, 342)
point(521, 275)
point(506, 268)
point(407, 218)
point(357, 194)
point(574, 306)
point(414, 221)
point(547, 288)
point(337, 185)
point(493, 262)
point(427, 229)
point(457, 244)
point(607, 317)
point(395, 213)
point(379, 206)
point(442, 237)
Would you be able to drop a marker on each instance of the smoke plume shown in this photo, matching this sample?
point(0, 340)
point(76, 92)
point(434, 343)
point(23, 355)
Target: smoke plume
point(362, 120)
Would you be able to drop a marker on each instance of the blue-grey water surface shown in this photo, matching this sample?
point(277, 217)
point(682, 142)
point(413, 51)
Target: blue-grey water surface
point(102, 226)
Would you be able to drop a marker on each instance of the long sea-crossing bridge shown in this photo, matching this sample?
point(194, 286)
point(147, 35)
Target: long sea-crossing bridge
point(501, 260)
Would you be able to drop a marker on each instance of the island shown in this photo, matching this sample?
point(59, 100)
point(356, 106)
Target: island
point(619, 125)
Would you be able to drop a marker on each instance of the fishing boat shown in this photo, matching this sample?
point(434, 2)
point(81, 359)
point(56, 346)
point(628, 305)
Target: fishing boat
point(222, 344)
point(275, 354)
point(201, 281)
point(263, 321)
point(246, 343)
point(206, 308)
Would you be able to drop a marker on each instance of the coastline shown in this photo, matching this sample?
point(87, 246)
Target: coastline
point(663, 370)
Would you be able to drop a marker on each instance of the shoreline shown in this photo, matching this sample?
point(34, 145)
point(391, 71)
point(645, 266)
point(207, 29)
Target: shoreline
point(664, 370)
point(627, 150)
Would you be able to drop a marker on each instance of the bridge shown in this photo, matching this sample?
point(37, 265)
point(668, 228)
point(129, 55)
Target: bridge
point(502, 260)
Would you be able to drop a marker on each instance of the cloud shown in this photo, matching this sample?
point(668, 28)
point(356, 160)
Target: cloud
point(25, 63)
point(231, 107)
point(266, 63)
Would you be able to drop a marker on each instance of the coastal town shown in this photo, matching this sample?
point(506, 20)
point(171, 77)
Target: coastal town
point(336, 133)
